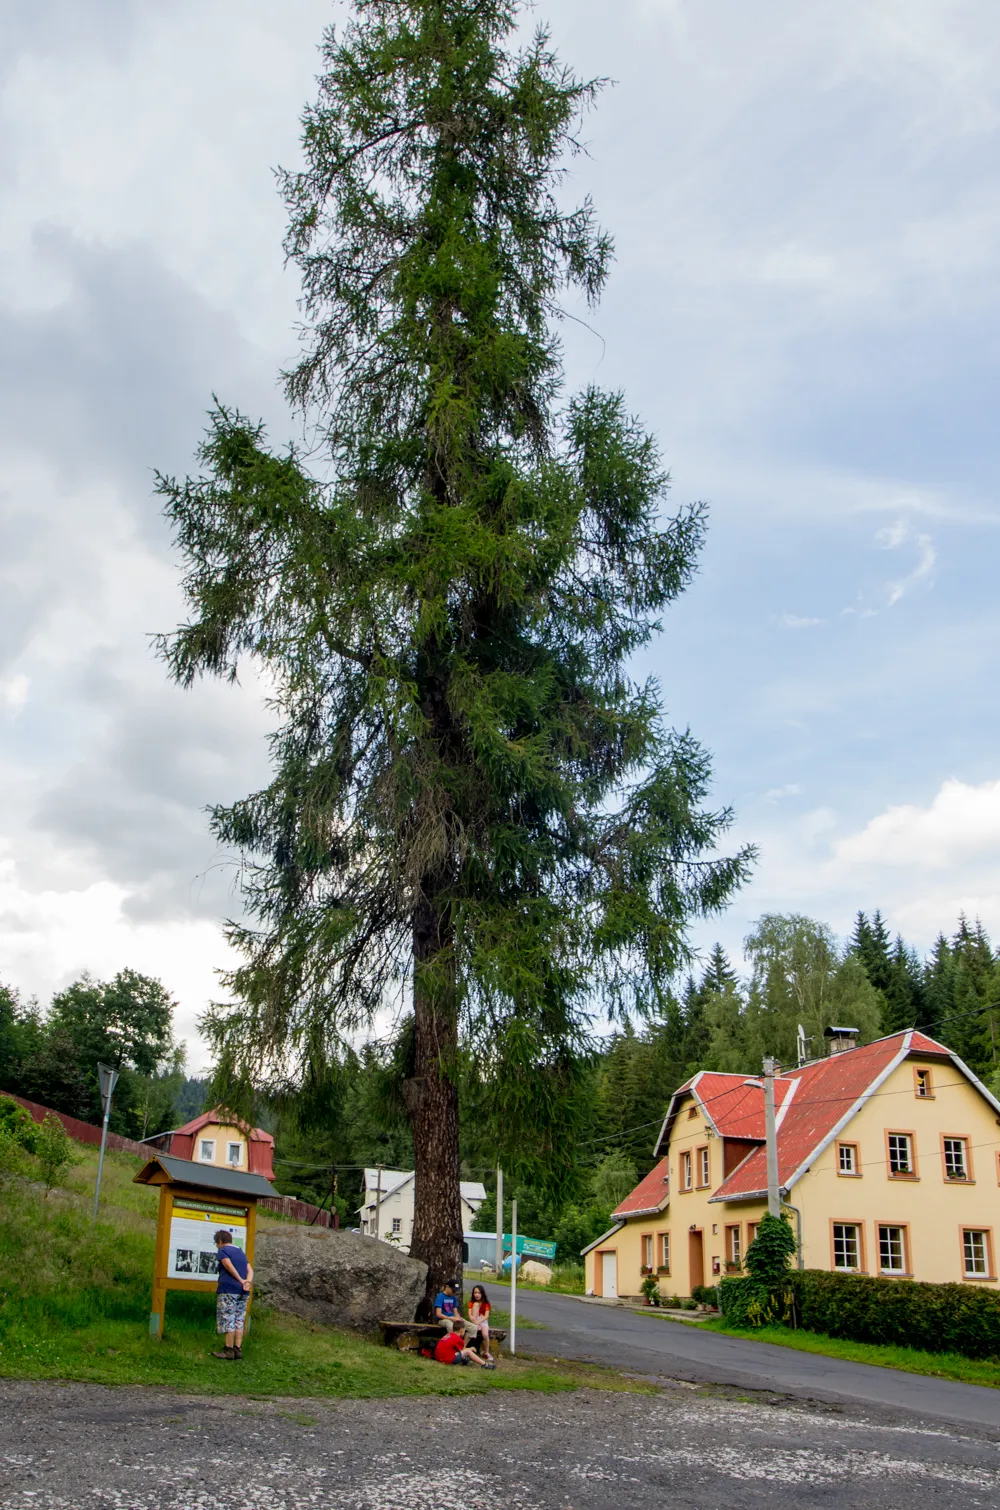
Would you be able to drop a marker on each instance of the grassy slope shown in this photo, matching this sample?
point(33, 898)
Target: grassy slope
point(910, 1360)
point(74, 1304)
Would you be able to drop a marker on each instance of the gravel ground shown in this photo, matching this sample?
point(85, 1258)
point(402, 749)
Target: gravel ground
point(76, 1446)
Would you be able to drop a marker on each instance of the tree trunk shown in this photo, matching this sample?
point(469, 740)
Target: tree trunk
point(432, 1103)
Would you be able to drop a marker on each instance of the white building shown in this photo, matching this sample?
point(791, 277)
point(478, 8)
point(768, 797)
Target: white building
point(388, 1209)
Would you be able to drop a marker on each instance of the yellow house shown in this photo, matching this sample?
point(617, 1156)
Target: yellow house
point(888, 1164)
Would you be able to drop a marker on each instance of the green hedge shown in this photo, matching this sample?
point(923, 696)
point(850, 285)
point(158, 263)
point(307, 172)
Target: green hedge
point(940, 1318)
point(750, 1303)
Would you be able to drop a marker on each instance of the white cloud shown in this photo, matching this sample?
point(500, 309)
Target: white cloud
point(891, 538)
point(49, 937)
point(794, 621)
point(14, 694)
point(961, 824)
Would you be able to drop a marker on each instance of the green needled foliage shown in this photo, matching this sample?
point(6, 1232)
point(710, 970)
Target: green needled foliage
point(472, 801)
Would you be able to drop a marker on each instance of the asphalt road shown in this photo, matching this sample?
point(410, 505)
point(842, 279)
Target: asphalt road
point(652, 1346)
point(77, 1446)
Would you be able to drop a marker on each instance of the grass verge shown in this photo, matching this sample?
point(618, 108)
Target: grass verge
point(74, 1304)
point(910, 1360)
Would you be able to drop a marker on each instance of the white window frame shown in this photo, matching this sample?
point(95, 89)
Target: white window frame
point(665, 1250)
point(734, 1234)
point(647, 1250)
point(844, 1228)
point(239, 1153)
point(968, 1250)
point(203, 1157)
point(704, 1168)
point(850, 1165)
point(687, 1170)
point(883, 1246)
point(902, 1141)
point(961, 1145)
point(397, 1224)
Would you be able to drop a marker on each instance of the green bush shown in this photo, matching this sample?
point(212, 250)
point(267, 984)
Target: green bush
point(952, 1318)
point(705, 1295)
point(763, 1296)
point(17, 1124)
point(53, 1150)
point(747, 1303)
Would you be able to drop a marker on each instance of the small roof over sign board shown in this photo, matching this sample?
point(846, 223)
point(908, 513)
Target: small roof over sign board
point(164, 1170)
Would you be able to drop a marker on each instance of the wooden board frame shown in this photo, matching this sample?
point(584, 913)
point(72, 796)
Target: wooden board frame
point(170, 1195)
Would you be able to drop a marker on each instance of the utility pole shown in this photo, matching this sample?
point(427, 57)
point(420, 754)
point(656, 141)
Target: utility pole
point(771, 1132)
point(108, 1080)
point(499, 1221)
point(378, 1200)
point(513, 1278)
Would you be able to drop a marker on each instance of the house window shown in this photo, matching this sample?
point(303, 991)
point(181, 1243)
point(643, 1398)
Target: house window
point(686, 1171)
point(956, 1161)
point(892, 1250)
point(234, 1153)
point(702, 1167)
point(752, 1229)
point(900, 1154)
point(734, 1247)
point(923, 1085)
point(976, 1252)
point(847, 1159)
point(846, 1245)
point(206, 1150)
point(665, 1251)
point(397, 1224)
point(692, 1112)
point(647, 1250)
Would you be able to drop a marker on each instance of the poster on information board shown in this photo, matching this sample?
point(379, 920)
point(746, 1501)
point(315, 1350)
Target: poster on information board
point(193, 1225)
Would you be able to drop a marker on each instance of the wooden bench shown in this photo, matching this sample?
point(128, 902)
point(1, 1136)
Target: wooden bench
point(410, 1336)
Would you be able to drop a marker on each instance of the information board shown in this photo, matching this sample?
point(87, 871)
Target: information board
point(193, 1225)
point(530, 1247)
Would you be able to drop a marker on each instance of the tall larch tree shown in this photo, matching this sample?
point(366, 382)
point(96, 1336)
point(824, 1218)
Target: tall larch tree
point(473, 807)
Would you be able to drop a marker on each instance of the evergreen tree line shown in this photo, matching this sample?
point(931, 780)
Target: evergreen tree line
point(51, 1055)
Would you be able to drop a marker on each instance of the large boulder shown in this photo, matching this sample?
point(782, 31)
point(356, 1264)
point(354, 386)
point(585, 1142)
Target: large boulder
point(339, 1278)
point(538, 1274)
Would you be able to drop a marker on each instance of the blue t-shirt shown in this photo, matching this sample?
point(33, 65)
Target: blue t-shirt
point(227, 1284)
point(446, 1304)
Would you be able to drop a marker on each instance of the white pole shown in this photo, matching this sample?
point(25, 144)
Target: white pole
point(513, 1278)
point(378, 1201)
point(108, 1079)
point(770, 1129)
point(100, 1161)
point(499, 1222)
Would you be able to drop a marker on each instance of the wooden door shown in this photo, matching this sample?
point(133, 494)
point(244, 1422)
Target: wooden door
point(696, 1259)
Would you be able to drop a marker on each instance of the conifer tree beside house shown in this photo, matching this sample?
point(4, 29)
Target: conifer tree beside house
point(472, 802)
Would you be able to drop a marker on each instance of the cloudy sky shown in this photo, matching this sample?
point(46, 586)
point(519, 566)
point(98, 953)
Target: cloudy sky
point(805, 308)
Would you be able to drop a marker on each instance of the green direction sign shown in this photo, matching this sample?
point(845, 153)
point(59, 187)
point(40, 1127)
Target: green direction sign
point(530, 1247)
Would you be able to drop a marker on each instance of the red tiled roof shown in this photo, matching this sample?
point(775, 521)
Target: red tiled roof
point(648, 1196)
point(219, 1118)
point(824, 1094)
point(732, 1104)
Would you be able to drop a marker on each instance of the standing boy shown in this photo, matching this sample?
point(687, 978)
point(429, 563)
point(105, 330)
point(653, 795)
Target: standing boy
point(231, 1294)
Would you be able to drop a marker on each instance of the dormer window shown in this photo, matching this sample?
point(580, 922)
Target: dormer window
point(923, 1085)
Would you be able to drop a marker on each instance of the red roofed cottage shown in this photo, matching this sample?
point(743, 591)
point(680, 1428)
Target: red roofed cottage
point(888, 1163)
point(217, 1138)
